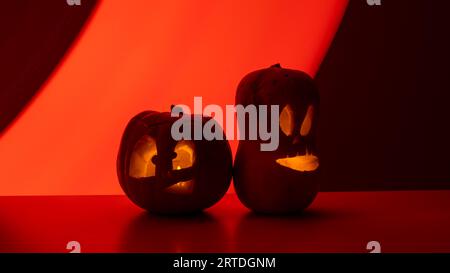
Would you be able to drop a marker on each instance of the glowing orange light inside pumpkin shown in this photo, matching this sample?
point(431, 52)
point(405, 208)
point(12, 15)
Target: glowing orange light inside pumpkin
point(301, 163)
point(307, 122)
point(287, 120)
point(141, 164)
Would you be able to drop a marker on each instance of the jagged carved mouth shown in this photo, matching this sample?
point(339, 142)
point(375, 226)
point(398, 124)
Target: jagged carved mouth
point(183, 187)
point(301, 163)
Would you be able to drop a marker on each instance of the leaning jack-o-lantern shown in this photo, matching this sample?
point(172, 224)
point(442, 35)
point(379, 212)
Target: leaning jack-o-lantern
point(162, 175)
point(284, 180)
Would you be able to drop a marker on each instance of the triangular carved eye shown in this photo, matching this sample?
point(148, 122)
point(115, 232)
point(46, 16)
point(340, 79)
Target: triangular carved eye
point(287, 120)
point(307, 122)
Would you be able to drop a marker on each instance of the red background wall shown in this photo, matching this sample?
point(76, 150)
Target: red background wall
point(148, 55)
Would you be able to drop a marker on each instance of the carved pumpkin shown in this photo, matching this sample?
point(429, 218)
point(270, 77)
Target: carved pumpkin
point(166, 176)
point(284, 180)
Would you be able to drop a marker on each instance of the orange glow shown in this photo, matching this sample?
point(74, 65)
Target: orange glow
point(307, 122)
point(185, 155)
point(287, 120)
point(141, 55)
point(301, 163)
point(141, 164)
point(184, 187)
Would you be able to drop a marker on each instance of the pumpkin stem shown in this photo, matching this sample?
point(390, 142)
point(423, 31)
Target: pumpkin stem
point(276, 65)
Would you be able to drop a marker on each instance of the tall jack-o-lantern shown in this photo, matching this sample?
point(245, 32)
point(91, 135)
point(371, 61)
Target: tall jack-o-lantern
point(284, 180)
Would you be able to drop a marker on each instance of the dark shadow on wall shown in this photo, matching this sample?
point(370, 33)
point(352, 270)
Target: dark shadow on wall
point(34, 37)
point(385, 98)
